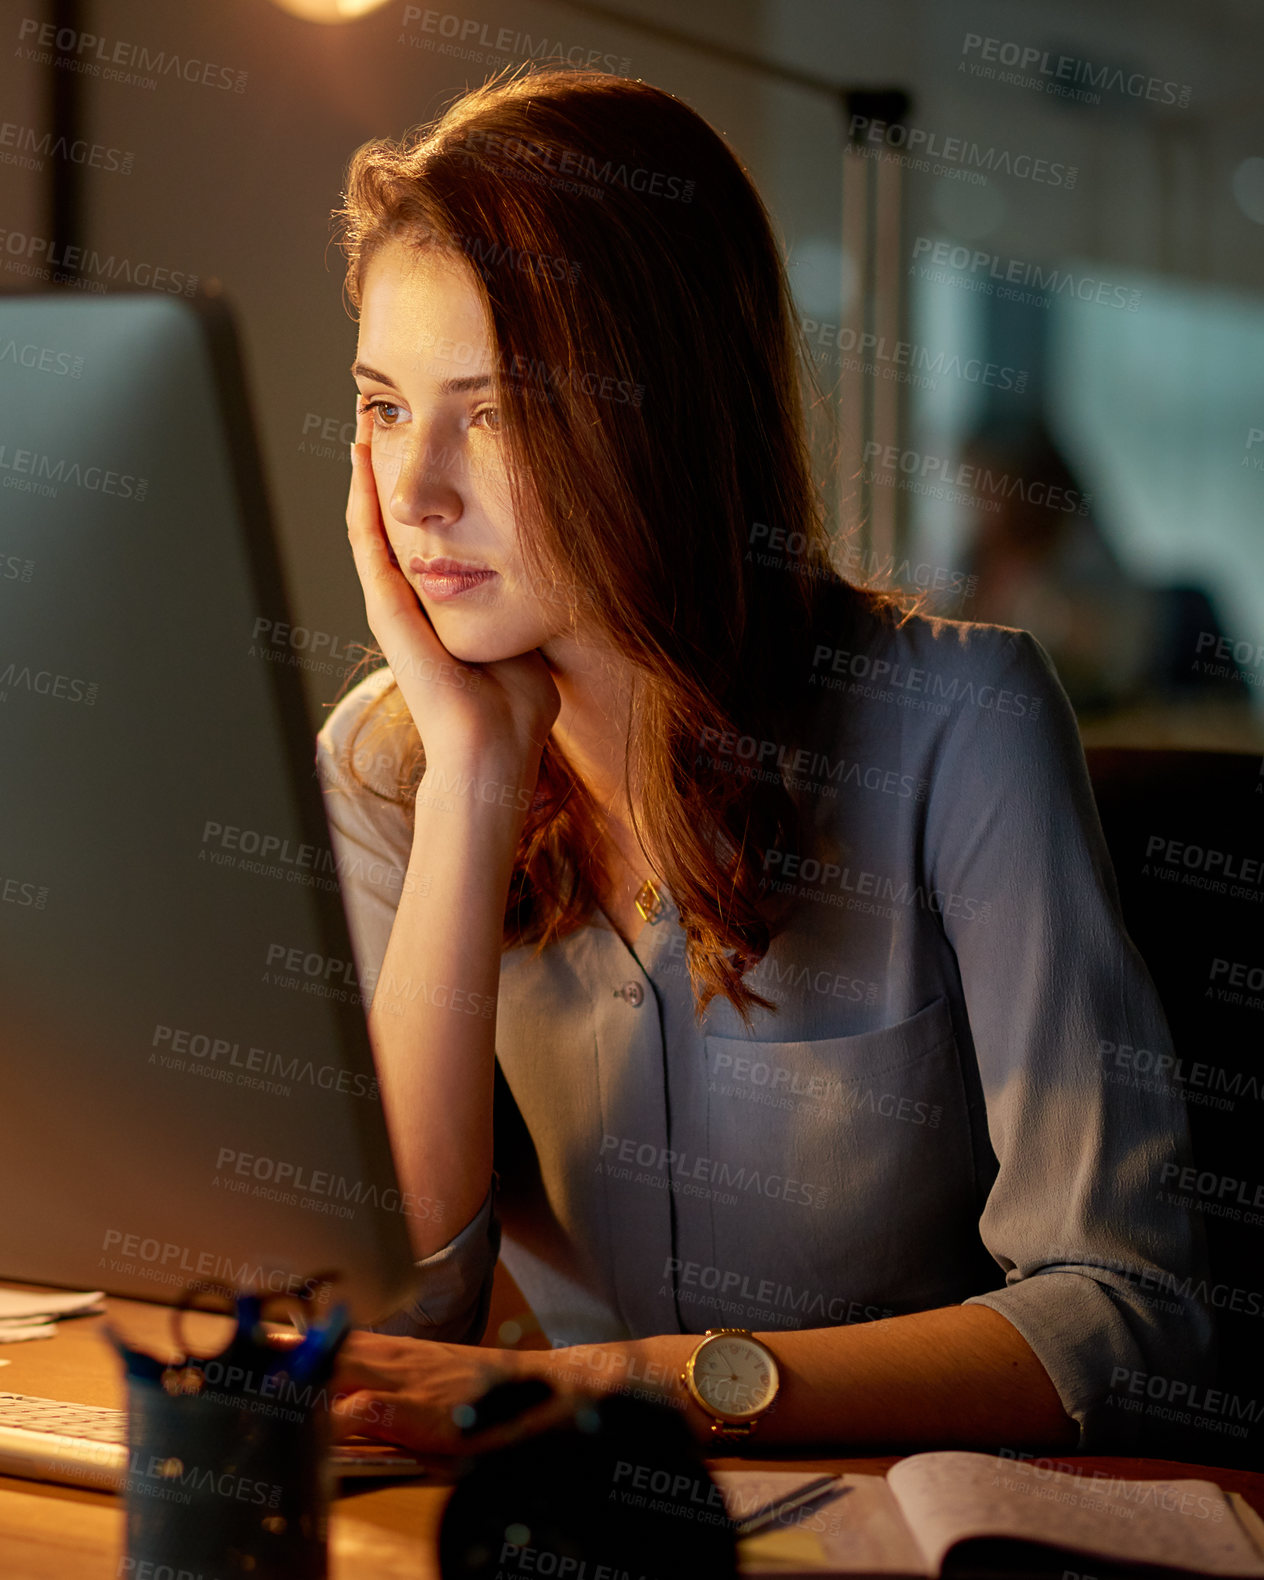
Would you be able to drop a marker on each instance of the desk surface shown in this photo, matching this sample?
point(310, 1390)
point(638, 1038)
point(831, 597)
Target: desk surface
point(48, 1532)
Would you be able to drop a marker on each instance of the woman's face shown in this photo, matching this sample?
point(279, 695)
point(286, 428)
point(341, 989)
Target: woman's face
point(426, 366)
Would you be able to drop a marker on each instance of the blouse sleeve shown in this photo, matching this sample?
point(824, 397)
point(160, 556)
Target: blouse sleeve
point(369, 833)
point(1075, 1216)
point(371, 844)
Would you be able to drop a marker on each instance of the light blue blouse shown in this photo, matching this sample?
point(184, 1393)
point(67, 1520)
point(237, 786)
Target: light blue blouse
point(926, 1119)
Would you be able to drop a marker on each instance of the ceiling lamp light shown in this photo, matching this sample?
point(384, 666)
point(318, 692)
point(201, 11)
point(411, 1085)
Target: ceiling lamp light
point(329, 10)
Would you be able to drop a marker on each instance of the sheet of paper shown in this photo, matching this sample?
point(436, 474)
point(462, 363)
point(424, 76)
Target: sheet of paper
point(856, 1530)
point(18, 1332)
point(17, 1305)
point(1179, 1524)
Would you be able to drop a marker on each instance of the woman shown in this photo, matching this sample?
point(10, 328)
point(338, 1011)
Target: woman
point(758, 932)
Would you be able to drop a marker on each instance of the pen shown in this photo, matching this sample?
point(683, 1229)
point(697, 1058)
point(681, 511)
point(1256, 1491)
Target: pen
point(794, 1500)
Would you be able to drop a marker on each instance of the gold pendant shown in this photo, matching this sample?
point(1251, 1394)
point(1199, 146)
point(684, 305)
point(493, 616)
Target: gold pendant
point(649, 903)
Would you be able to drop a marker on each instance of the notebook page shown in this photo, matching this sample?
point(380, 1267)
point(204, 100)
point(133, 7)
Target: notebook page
point(948, 1497)
point(856, 1530)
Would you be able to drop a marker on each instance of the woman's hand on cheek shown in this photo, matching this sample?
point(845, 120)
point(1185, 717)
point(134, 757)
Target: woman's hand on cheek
point(463, 711)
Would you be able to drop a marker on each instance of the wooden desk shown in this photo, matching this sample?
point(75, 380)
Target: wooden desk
point(49, 1532)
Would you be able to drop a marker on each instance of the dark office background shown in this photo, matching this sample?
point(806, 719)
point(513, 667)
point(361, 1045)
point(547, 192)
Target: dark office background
point(1141, 359)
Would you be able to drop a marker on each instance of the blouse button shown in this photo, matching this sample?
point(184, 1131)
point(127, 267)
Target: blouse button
point(633, 992)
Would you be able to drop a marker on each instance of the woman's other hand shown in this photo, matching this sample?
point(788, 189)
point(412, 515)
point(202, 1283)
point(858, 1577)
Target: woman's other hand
point(412, 1391)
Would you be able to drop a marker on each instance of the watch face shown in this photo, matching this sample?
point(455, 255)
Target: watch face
point(735, 1376)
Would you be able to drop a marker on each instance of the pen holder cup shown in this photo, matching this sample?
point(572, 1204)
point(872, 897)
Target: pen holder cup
point(227, 1455)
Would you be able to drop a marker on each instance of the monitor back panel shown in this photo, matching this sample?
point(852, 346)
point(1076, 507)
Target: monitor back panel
point(187, 1086)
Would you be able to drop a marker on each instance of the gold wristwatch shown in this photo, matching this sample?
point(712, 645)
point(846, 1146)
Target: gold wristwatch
point(734, 1378)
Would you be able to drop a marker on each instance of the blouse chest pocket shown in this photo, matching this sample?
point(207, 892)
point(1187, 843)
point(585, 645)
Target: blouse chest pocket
point(853, 1154)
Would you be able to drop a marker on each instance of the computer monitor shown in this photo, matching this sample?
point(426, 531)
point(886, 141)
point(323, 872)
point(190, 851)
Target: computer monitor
point(188, 1091)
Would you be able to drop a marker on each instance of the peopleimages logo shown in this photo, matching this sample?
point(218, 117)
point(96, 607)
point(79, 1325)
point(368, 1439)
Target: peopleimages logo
point(202, 1047)
point(562, 161)
point(955, 264)
point(803, 1304)
point(778, 1086)
point(1205, 1182)
point(1062, 74)
point(326, 1192)
point(94, 56)
point(462, 33)
point(1201, 867)
point(750, 749)
point(35, 146)
point(1197, 1082)
point(904, 361)
point(775, 973)
point(814, 877)
point(45, 683)
point(44, 260)
point(980, 480)
point(959, 155)
point(183, 1262)
point(13, 568)
point(1239, 974)
point(42, 359)
point(919, 573)
point(32, 472)
point(539, 379)
point(1190, 1396)
point(14, 892)
point(675, 1170)
point(894, 679)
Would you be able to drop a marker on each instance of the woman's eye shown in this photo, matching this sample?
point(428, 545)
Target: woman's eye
point(489, 417)
point(385, 413)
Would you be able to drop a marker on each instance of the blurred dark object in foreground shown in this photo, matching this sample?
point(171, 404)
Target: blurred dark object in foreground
point(620, 1483)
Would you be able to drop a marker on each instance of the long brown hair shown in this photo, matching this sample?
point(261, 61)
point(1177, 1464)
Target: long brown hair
point(650, 390)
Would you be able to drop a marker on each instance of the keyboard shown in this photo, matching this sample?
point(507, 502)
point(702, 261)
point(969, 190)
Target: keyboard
point(85, 1445)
